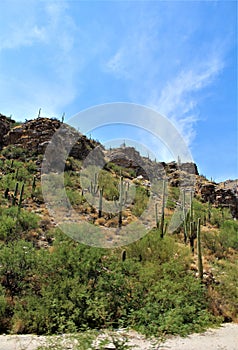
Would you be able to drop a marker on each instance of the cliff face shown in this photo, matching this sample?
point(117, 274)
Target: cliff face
point(5, 126)
point(32, 135)
point(35, 135)
point(128, 157)
point(219, 195)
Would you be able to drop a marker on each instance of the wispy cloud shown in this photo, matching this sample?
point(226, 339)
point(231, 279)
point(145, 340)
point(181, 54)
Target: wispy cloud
point(158, 64)
point(179, 97)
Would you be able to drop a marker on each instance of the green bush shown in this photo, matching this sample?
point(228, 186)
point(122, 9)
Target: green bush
point(140, 201)
point(228, 236)
point(14, 223)
point(13, 152)
point(175, 304)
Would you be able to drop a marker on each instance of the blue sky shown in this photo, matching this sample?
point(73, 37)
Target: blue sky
point(180, 58)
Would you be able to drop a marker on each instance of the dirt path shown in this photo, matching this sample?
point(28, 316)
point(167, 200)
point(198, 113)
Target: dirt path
point(223, 338)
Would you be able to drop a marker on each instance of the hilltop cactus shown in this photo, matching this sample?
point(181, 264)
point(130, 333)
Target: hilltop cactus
point(121, 201)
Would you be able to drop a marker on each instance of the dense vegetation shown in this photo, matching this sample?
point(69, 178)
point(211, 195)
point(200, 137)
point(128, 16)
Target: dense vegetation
point(51, 284)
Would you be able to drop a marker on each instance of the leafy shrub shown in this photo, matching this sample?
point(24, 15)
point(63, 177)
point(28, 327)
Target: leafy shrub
point(228, 236)
point(75, 197)
point(13, 223)
point(13, 152)
point(140, 201)
point(174, 305)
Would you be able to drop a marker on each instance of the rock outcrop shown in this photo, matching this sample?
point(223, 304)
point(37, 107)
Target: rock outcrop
point(5, 126)
point(177, 174)
point(219, 196)
point(35, 135)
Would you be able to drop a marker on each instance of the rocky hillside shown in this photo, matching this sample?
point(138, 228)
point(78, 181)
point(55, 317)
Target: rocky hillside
point(170, 281)
point(34, 135)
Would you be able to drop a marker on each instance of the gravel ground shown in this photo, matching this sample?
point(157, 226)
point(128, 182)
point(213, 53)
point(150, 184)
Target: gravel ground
point(223, 338)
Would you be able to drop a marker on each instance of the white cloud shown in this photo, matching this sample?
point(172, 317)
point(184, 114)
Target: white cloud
point(178, 98)
point(150, 80)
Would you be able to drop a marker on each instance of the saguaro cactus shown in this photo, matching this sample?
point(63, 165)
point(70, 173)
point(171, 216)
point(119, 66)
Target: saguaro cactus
point(94, 189)
point(121, 201)
point(33, 187)
point(190, 231)
point(199, 251)
point(21, 197)
point(100, 203)
point(161, 225)
point(123, 255)
point(156, 215)
point(14, 198)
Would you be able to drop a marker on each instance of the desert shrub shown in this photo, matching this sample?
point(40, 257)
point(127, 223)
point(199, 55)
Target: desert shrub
point(14, 223)
point(225, 294)
point(17, 262)
point(219, 241)
point(219, 215)
point(175, 304)
point(13, 152)
point(72, 287)
point(140, 201)
point(228, 237)
point(31, 167)
point(109, 185)
point(173, 196)
point(211, 242)
point(3, 302)
point(75, 197)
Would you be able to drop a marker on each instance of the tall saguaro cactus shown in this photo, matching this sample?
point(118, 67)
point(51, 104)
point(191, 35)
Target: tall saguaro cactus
point(199, 250)
point(100, 203)
point(161, 225)
point(21, 197)
point(33, 187)
point(94, 185)
point(190, 230)
point(94, 189)
point(121, 201)
point(14, 198)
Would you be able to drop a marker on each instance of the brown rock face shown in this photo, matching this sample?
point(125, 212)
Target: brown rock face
point(35, 135)
point(129, 157)
point(5, 125)
point(32, 135)
point(178, 175)
point(219, 197)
